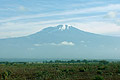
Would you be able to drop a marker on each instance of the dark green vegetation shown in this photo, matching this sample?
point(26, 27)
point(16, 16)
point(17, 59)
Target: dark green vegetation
point(60, 70)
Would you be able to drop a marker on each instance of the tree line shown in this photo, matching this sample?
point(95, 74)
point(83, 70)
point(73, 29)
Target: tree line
point(77, 61)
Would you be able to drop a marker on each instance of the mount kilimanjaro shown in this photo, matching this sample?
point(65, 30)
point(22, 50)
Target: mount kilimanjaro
point(62, 41)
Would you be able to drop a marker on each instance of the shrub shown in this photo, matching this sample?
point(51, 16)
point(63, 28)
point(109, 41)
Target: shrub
point(101, 68)
point(6, 74)
point(81, 69)
point(118, 71)
point(98, 78)
point(99, 72)
point(65, 70)
point(71, 70)
point(103, 62)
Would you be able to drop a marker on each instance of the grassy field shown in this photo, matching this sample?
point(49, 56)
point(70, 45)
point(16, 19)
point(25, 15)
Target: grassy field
point(60, 71)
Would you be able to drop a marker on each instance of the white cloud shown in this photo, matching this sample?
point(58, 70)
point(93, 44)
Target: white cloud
point(64, 43)
point(82, 41)
point(37, 45)
point(71, 12)
point(116, 49)
point(97, 27)
point(22, 8)
point(18, 29)
point(111, 14)
point(85, 46)
point(102, 45)
point(8, 30)
point(67, 43)
point(30, 49)
point(6, 9)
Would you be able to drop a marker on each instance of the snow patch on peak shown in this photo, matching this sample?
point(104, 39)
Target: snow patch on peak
point(64, 27)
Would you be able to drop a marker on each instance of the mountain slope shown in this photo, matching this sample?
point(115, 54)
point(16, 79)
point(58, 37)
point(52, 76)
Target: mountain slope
point(62, 41)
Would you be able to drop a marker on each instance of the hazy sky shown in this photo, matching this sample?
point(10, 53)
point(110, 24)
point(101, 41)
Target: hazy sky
point(24, 17)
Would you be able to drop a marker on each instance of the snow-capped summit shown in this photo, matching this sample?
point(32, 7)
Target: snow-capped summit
point(63, 27)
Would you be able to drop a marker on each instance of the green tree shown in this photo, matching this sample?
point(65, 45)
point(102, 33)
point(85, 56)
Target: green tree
point(103, 62)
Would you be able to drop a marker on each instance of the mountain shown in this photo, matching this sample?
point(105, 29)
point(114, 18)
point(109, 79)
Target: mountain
point(62, 41)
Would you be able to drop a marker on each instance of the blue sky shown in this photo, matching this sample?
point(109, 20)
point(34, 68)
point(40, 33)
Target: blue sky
point(25, 17)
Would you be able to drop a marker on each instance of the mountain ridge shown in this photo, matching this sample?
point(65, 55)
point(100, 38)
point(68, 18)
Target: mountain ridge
point(61, 28)
point(61, 41)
